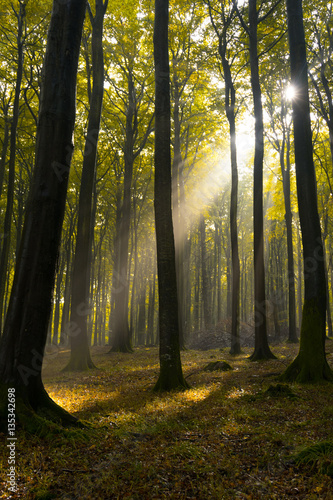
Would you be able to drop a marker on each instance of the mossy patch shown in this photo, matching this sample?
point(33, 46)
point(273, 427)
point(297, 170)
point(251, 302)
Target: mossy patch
point(221, 366)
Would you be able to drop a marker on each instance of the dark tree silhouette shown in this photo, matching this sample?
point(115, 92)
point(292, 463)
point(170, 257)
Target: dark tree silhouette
point(7, 228)
point(310, 364)
point(171, 375)
point(80, 354)
point(25, 330)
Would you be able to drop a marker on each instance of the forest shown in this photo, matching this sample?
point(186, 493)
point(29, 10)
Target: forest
point(166, 272)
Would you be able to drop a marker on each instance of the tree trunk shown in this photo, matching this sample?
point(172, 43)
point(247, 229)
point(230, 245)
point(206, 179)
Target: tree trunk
point(171, 374)
point(230, 103)
point(261, 347)
point(177, 193)
point(27, 320)
point(5, 143)
point(121, 331)
point(310, 364)
point(292, 334)
point(204, 275)
point(11, 166)
point(80, 358)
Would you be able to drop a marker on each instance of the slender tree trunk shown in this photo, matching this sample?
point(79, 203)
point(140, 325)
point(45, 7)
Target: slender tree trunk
point(26, 327)
point(67, 290)
point(121, 331)
point(292, 334)
point(116, 282)
point(6, 240)
point(151, 311)
point(80, 358)
point(4, 149)
point(171, 374)
point(230, 103)
point(204, 274)
point(261, 347)
point(310, 365)
point(177, 194)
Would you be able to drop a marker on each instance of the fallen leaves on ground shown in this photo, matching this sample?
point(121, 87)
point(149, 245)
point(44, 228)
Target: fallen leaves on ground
point(233, 435)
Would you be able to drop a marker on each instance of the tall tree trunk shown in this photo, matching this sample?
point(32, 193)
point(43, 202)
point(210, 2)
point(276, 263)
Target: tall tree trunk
point(171, 374)
point(151, 311)
point(80, 358)
point(310, 364)
point(292, 334)
point(26, 326)
point(116, 281)
point(204, 274)
point(230, 103)
point(261, 347)
point(5, 143)
point(121, 331)
point(177, 192)
point(11, 166)
point(67, 290)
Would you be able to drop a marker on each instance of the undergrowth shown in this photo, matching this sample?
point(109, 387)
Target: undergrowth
point(236, 434)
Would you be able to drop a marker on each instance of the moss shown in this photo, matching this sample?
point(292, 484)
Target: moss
point(310, 365)
point(218, 366)
point(47, 419)
point(280, 390)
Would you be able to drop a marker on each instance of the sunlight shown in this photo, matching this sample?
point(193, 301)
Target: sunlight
point(290, 92)
point(245, 147)
point(177, 402)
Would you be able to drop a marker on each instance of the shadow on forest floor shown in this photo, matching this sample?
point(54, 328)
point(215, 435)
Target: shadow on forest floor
point(225, 438)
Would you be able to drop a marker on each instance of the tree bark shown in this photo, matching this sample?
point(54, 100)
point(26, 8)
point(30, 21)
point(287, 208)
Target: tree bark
point(204, 275)
point(27, 320)
point(171, 374)
point(121, 331)
point(178, 197)
point(230, 109)
point(80, 358)
point(261, 348)
point(292, 334)
point(11, 165)
point(310, 364)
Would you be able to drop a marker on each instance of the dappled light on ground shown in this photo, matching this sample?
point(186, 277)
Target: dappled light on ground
point(233, 435)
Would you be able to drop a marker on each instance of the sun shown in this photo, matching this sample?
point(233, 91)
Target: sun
point(290, 92)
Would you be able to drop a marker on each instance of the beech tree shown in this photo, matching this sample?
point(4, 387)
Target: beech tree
point(26, 326)
point(227, 18)
point(171, 374)
point(80, 355)
point(20, 39)
point(310, 364)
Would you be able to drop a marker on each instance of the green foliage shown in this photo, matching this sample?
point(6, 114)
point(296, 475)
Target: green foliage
point(319, 456)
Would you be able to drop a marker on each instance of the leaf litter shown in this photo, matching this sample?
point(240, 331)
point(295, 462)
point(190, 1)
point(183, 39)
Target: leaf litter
point(237, 434)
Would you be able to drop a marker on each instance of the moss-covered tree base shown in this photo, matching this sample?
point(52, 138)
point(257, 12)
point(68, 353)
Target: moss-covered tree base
point(305, 371)
point(47, 418)
point(171, 382)
point(122, 348)
point(310, 365)
point(79, 364)
point(235, 350)
point(262, 354)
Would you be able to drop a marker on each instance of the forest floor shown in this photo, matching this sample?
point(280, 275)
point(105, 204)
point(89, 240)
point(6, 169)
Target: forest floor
point(231, 436)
